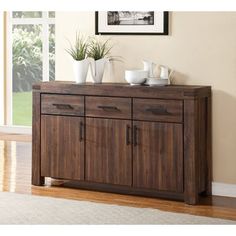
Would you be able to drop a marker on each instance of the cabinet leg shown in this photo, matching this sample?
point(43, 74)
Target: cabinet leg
point(38, 180)
point(191, 199)
point(191, 152)
point(209, 187)
point(209, 148)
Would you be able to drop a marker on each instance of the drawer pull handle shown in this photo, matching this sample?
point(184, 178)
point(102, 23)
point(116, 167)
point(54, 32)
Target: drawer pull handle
point(81, 132)
point(158, 111)
point(63, 106)
point(108, 108)
point(127, 135)
point(135, 135)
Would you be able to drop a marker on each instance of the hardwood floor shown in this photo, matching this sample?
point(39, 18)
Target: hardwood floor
point(15, 176)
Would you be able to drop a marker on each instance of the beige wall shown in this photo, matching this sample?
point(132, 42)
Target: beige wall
point(1, 69)
point(201, 48)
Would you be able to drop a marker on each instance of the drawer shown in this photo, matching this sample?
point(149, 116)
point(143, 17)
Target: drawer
point(157, 110)
point(108, 107)
point(62, 104)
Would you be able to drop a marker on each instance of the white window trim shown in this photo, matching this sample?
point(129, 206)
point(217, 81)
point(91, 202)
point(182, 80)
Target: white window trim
point(8, 98)
point(45, 21)
point(16, 129)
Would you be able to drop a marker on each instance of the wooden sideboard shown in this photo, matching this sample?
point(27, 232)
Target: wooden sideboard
point(151, 141)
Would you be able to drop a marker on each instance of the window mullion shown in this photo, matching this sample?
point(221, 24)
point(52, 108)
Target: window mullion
point(45, 15)
point(27, 21)
point(45, 40)
point(9, 56)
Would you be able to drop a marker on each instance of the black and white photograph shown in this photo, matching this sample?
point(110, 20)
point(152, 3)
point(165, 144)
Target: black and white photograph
point(130, 17)
point(131, 22)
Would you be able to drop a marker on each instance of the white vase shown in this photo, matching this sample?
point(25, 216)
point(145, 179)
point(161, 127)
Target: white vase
point(97, 69)
point(81, 70)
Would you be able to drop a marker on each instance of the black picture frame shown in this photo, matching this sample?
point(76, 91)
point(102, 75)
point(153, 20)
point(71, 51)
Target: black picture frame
point(165, 27)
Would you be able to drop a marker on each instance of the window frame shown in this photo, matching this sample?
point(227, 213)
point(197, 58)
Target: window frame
point(45, 21)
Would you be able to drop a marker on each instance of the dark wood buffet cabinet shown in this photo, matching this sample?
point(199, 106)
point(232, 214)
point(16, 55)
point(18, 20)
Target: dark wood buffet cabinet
point(151, 141)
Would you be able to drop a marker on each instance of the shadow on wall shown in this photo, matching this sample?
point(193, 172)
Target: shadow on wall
point(224, 136)
point(179, 78)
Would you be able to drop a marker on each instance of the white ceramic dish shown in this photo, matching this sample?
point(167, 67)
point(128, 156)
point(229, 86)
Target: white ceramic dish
point(136, 77)
point(156, 82)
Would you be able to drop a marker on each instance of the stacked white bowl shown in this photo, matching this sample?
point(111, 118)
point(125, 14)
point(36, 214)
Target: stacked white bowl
point(136, 77)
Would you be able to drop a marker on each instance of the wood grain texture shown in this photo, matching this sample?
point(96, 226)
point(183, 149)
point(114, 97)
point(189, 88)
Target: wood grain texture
point(170, 106)
point(62, 104)
point(16, 137)
point(125, 189)
point(158, 156)
point(62, 150)
point(157, 110)
point(37, 179)
point(191, 151)
point(125, 90)
point(209, 145)
point(108, 107)
point(202, 158)
point(15, 172)
point(197, 148)
point(108, 156)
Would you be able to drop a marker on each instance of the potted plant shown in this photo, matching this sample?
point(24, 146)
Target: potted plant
point(78, 51)
point(98, 51)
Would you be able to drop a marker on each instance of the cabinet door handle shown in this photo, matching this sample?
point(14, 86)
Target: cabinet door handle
point(108, 108)
point(135, 135)
point(158, 111)
point(63, 106)
point(127, 134)
point(81, 132)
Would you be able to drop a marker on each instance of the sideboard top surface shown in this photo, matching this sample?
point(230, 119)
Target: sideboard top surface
point(124, 90)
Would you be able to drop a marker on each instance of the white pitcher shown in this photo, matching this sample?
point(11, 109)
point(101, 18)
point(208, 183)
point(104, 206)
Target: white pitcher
point(97, 69)
point(149, 66)
point(166, 73)
point(81, 70)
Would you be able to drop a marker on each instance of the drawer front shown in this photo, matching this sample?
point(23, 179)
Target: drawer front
point(62, 104)
point(108, 107)
point(157, 110)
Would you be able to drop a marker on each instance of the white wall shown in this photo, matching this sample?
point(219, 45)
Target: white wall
point(1, 70)
point(201, 48)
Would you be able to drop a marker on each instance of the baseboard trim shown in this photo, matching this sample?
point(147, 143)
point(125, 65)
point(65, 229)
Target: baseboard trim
point(16, 129)
point(222, 189)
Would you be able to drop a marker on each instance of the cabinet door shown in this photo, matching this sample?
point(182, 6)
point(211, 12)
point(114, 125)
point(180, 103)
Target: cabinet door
point(108, 151)
point(158, 156)
point(62, 147)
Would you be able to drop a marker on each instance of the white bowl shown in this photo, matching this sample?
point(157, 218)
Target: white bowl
point(156, 81)
point(135, 77)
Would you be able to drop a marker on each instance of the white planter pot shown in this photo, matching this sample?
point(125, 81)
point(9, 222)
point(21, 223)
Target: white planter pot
point(81, 70)
point(97, 69)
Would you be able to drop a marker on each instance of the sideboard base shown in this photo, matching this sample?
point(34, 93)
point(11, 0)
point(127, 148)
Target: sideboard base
point(127, 190)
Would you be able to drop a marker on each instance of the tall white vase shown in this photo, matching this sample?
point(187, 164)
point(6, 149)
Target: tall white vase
point(81, 70)
point(97, 69)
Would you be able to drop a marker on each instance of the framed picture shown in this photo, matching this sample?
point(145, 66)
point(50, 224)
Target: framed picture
point(131, 22)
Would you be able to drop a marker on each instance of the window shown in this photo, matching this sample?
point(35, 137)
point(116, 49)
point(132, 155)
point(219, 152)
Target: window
point(31, 58)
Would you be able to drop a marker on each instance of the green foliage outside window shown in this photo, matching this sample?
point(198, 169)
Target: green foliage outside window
point(27, 56)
